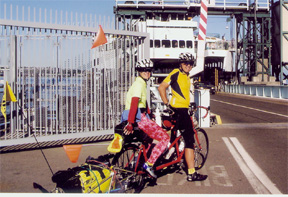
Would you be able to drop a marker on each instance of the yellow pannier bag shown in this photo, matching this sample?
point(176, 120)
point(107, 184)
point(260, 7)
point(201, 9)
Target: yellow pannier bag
point(95, 179)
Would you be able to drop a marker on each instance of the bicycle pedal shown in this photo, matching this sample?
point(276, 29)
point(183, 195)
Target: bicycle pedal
point(179, 171)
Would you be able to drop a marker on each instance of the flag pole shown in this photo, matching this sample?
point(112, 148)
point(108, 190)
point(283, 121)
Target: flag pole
point(9, 96)
point(35, 138)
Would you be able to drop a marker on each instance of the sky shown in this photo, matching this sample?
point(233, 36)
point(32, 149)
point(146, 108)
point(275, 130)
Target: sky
point(216, 24)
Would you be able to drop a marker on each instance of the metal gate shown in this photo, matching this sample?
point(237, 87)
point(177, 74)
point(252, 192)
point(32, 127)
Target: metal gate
point(64, 89)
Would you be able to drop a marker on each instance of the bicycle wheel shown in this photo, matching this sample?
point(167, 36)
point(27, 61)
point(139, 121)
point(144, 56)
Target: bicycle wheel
point(124, 163)
point(201, 148)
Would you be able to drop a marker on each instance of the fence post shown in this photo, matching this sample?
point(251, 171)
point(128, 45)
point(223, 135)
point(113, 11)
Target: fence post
point(12, 80)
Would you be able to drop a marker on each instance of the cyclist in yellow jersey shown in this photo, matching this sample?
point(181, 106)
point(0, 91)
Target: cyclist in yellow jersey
point(180, 86)
point(179, 81)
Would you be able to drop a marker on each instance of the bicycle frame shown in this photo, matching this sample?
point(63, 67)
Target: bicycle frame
point(144, 151)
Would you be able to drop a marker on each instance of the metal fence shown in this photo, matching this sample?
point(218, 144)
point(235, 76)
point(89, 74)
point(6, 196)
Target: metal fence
point(64, 89)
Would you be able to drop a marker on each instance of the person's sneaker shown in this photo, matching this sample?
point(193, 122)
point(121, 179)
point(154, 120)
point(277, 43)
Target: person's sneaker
point(149, 170)
point(196, 177)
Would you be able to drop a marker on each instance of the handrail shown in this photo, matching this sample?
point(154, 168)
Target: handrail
point(260, 4)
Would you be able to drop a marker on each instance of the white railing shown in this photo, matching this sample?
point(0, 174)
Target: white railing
point(280, 92)
point(259, 4)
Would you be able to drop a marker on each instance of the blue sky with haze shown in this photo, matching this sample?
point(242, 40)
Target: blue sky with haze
point(216, 24)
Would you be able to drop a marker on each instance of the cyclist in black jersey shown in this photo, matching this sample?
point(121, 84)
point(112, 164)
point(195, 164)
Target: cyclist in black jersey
point(179, 81)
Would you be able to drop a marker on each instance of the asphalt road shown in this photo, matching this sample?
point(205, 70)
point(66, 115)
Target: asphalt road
point(248, 154)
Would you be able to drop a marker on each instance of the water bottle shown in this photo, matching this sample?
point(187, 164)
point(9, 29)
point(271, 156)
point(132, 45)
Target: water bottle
point(133, 162)
point(158, 117)
point(181, 146)
point(178, 133)
point(171, 151)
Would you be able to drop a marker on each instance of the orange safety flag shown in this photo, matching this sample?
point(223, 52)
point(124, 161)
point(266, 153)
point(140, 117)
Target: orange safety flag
point(7, 96)
point(100, 38)
point(73, 152)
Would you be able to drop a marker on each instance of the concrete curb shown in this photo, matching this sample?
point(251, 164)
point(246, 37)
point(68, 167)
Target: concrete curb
point(215, 119)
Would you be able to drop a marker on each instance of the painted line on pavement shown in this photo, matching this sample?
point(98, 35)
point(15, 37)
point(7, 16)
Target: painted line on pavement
point(250, 108)
point(259, 173)
point(254, 182)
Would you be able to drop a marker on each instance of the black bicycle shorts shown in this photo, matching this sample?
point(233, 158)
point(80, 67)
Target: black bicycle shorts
point(185, 124)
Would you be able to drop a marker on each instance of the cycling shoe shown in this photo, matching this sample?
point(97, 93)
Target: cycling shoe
point(150, 170)
point(196, 177)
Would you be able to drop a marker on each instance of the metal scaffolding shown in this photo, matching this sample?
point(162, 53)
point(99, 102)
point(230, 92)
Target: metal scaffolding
point(254, 45)
point(280, 39)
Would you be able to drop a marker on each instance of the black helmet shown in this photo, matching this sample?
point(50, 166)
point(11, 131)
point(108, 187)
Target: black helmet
point(144, 65)
point(187, 57)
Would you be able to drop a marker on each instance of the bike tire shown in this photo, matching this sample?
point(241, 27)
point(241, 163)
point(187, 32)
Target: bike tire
point(201, 154)
point(124, 163)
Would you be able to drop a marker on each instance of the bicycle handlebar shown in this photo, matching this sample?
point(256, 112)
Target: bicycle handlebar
point(207, 110)
point(193, 108)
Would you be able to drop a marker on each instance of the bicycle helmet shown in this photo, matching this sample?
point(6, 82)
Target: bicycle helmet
point(187, 58)
point(144, 65)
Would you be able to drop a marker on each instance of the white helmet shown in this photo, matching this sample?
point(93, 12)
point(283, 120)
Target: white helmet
point(187, 57)
point(144, 65)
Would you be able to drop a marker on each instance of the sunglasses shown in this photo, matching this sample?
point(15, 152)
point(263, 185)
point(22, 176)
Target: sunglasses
point(145, 70)
point(189, 64)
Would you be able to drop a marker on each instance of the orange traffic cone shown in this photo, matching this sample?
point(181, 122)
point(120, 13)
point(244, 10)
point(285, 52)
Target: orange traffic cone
point(100, 38)
point(73, 152)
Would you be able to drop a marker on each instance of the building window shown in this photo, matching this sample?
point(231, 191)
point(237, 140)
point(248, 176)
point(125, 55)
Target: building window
point(182, 43)
point(180, 17)
point(151, 43)
point(173, 16)
point(175, 43)
point(189, 44)
point(166, 43)
point(164, 17)
point(157, 43)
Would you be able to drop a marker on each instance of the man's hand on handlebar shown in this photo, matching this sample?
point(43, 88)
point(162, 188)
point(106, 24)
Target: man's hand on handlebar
point(128, 129)
point(170, 109)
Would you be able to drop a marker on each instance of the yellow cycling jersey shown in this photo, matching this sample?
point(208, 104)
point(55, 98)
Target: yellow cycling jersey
point(138, 89)
point(180, 85)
